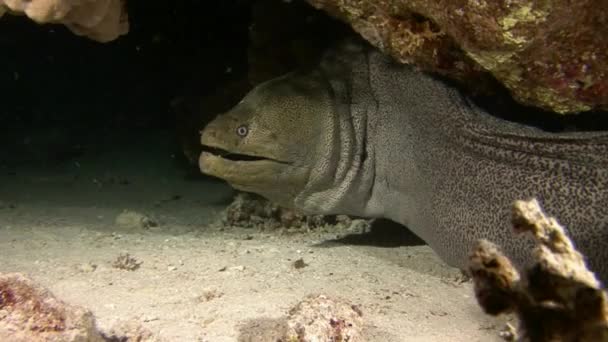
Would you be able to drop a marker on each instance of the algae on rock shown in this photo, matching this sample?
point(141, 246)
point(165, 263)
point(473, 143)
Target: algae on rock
point(549, 54)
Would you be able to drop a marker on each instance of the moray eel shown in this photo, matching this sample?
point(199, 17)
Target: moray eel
point(366, 136)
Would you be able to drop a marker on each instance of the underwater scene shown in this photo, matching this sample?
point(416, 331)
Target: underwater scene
point(304, 170)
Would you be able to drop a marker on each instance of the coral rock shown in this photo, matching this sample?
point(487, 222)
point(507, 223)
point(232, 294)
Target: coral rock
point(252, 211)
point(100, 20)
point(549, 54)
point(29, 312)
point(557, 299)
point(320, 318)
point(315, 318)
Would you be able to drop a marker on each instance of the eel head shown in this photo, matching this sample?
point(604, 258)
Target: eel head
point(267, 142)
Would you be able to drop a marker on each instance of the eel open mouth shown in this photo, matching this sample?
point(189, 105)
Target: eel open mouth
point(230, 155)
point(224, 154)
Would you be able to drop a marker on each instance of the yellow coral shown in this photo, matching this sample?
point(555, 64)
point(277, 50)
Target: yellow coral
point(523, 14)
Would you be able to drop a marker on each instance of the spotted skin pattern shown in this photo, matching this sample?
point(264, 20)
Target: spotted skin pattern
point(475, 165)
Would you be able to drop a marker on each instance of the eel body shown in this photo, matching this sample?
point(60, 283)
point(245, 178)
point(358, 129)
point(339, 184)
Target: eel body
point(363, 135)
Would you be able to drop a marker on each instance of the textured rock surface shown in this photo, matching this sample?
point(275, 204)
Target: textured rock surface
point(252, 211)
point(557, 298)
point(29, 312)
point(320, 318)
point(550, 54)
point(100, 20)
point(315, 318)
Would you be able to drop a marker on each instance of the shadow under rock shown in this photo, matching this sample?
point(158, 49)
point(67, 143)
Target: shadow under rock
point(382, 233)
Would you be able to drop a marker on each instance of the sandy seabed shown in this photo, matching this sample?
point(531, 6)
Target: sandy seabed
point(200, 283)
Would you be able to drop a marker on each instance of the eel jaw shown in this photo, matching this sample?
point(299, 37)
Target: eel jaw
point(224, 154)
point(238, 157)
point(243, 171)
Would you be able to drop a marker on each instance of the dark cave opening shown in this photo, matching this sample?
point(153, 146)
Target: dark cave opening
point(64, 94)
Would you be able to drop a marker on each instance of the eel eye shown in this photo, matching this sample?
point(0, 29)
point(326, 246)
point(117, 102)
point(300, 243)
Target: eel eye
point(242, 131)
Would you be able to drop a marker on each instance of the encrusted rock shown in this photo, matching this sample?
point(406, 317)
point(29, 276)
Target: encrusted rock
point(550, 54)
point(315, 318)
point(100, 20)
point(557, 298)
point(320, 318)
point(252, 211)
point(31, 313)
